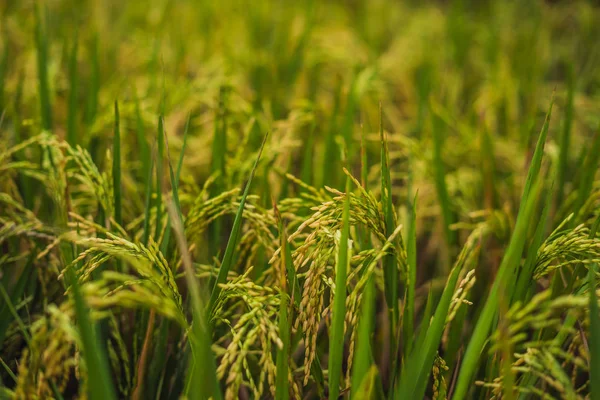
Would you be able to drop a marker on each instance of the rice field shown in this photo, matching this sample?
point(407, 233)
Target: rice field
point(299, 200)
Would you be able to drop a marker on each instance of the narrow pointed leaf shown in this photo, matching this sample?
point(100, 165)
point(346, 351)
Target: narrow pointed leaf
point(227, 261)
point(336, 339)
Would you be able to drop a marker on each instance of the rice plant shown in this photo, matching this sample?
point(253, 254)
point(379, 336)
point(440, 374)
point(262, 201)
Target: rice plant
point(299, 200)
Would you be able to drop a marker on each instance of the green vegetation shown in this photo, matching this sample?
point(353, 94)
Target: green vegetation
point(299, 200)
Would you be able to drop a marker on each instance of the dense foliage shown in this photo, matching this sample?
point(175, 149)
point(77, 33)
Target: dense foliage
point(310, 199)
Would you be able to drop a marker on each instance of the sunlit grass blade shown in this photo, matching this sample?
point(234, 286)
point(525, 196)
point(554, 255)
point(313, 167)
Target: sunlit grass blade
point(202, 372)
point(41, 42)
point(536, 161)
point(336, 337)
point(390, 267)
point(174, 176)
point(282, 390)
point(183, 147)
point(218, 165)
point(364, 159)
point(331, 156)
point(73, 105)
point(411, 253)
point(524, 280)
point(488, 169)
point(148, 201)
point(141, 137)
point(227, 261)
point(363, 354)
point(117, 166)
point(116, 172)
point(159, 177)
point(282, 386)
point(368, 386)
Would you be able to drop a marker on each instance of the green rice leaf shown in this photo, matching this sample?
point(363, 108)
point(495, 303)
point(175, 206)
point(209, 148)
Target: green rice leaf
point(73, 105)
point(227, 261)
point(41, 42)
point(363, 355)
point(336, 339)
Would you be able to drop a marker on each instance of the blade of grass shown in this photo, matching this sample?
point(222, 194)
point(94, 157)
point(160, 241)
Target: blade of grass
point(282, 390)
point(390, 268)
point(174, 182)
point(41, 42)
point(218, 165)
point(159, 176)
point(10, 373)
point(440, 180)
point(73, 105)
point(364, 160)
point(11, 308)
point(292, 282)
point(331, 154)
point(148, 202)
point(157, 362)
point(565, 136)
point(145, 321)
point(282, 384)
point(336, 340)
point(411, 253)
point(227, 261)
point(116, 170)
point(183, 147)
point(117, 166)
point(524, 280)
point(426, 321)
point(536, 161)
point(141, 137)
point(202, 372)
point(368, 386)
point(363, 355)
